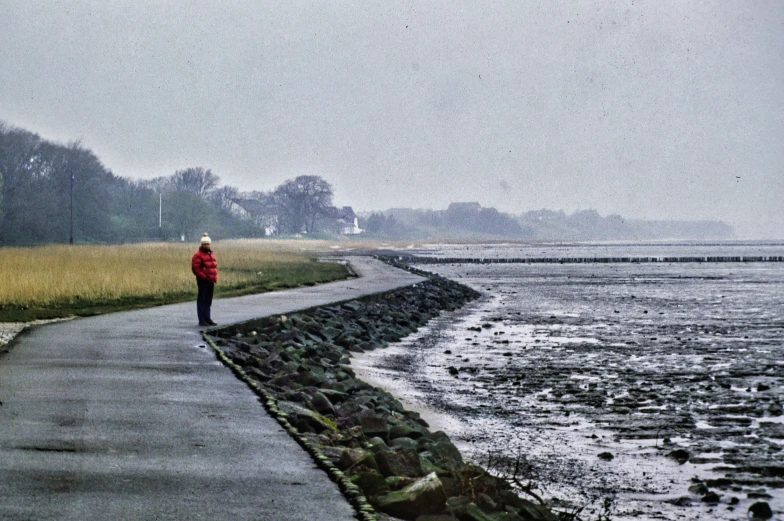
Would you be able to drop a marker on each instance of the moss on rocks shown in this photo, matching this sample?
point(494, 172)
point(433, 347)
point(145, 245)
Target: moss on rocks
point(379, 453)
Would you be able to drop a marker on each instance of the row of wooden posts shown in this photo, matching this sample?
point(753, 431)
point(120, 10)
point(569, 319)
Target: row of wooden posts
point(412, 259)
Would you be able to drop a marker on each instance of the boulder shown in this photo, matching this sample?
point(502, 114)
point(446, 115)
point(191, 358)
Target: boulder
point(453, 486)
point(402, 430)
point(679, 455)
point(322, 404)
point(533, 512)
point(445, 454)
point(371, 483)
point(456, 505)
point(333, 453)
point(474, 513)
point(398, 482)
point(428, 466)
point(351, 409)
point(297, 396)
point(424, 496)
point(331, 332)
point(282, 381)
point(310, 378)
point(711, 497)
point(404, 443)
point(683, 501)
point(760, 510)
point(377, 445)
point(317, 421)
point(352, 457)
point(486, 503)
point(302, 426)
point(698, 488)
point(401, 463)
point(374, 426)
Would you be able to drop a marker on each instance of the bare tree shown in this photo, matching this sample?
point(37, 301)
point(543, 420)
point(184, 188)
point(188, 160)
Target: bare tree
point(157, 184)
point(197, 181)
point(185, 214)
point(224, 197)
point(301, 201)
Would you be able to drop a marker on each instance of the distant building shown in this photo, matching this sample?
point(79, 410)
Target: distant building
point(348, 221)
point(260, 214)
point(464, 208)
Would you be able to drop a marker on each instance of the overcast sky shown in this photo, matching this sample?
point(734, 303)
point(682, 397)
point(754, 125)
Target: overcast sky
point(660, 109)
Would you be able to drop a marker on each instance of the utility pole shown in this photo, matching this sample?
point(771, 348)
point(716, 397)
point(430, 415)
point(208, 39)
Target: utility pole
point(72, 192)
point(160, 209)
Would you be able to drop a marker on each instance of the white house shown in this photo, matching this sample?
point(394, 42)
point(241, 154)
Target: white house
point(349, 222)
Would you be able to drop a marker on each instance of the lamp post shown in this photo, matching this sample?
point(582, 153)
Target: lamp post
point(72, 220)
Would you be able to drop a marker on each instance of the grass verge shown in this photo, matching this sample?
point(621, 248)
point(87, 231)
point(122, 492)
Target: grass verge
point(59, 281)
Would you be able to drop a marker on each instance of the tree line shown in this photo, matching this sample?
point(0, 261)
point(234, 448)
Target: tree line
point(50, 192)
point(472, 221)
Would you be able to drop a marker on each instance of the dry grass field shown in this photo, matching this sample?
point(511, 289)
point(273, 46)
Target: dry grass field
point(61, 280)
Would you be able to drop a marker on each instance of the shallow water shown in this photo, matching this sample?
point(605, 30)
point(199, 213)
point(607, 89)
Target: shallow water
point(559, 363)
point(606, 249)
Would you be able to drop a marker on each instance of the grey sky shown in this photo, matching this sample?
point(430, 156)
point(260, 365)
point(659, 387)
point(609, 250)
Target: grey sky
point(651, 109)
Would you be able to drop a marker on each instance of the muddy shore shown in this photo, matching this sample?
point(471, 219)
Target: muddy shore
point(665, 401)
point(384, 457)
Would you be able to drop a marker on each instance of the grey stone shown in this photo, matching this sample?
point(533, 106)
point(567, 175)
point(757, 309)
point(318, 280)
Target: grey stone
point(374, 426)
point(401, 463)
point(424, 496)
point(474, 513)
point(679, 455)
point(428, 466)
point(322, 404)
point(402, 430)
point(711, 497)
point(446, 454)
point(456, 505)
point(353, 457)
point(698, 488)
point(377, 445)
point(398, 482)
point(404, 443)
point(760, 510)
point(371, 483)
point(606, 456)
point(317, 421)
point(309, 378)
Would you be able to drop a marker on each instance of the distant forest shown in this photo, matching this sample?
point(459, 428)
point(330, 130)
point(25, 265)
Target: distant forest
point(472, 221)
point(50, 192)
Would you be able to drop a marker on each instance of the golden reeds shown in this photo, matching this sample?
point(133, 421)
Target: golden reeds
point(56, 275)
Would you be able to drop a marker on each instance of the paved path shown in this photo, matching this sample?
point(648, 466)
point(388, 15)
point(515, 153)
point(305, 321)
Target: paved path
point(128, 416)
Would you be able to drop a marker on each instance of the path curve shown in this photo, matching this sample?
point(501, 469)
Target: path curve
point(129, 416)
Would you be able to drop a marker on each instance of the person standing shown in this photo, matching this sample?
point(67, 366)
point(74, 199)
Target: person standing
point(205, 267)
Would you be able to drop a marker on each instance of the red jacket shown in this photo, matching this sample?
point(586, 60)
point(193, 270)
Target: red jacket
point(205, 266)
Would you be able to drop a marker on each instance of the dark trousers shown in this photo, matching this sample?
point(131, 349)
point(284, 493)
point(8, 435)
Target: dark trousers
point(204, 300)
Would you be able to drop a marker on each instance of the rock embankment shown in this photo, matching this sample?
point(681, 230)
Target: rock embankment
point(384, 457)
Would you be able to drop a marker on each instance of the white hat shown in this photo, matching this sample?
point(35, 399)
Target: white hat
point(205, 239)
